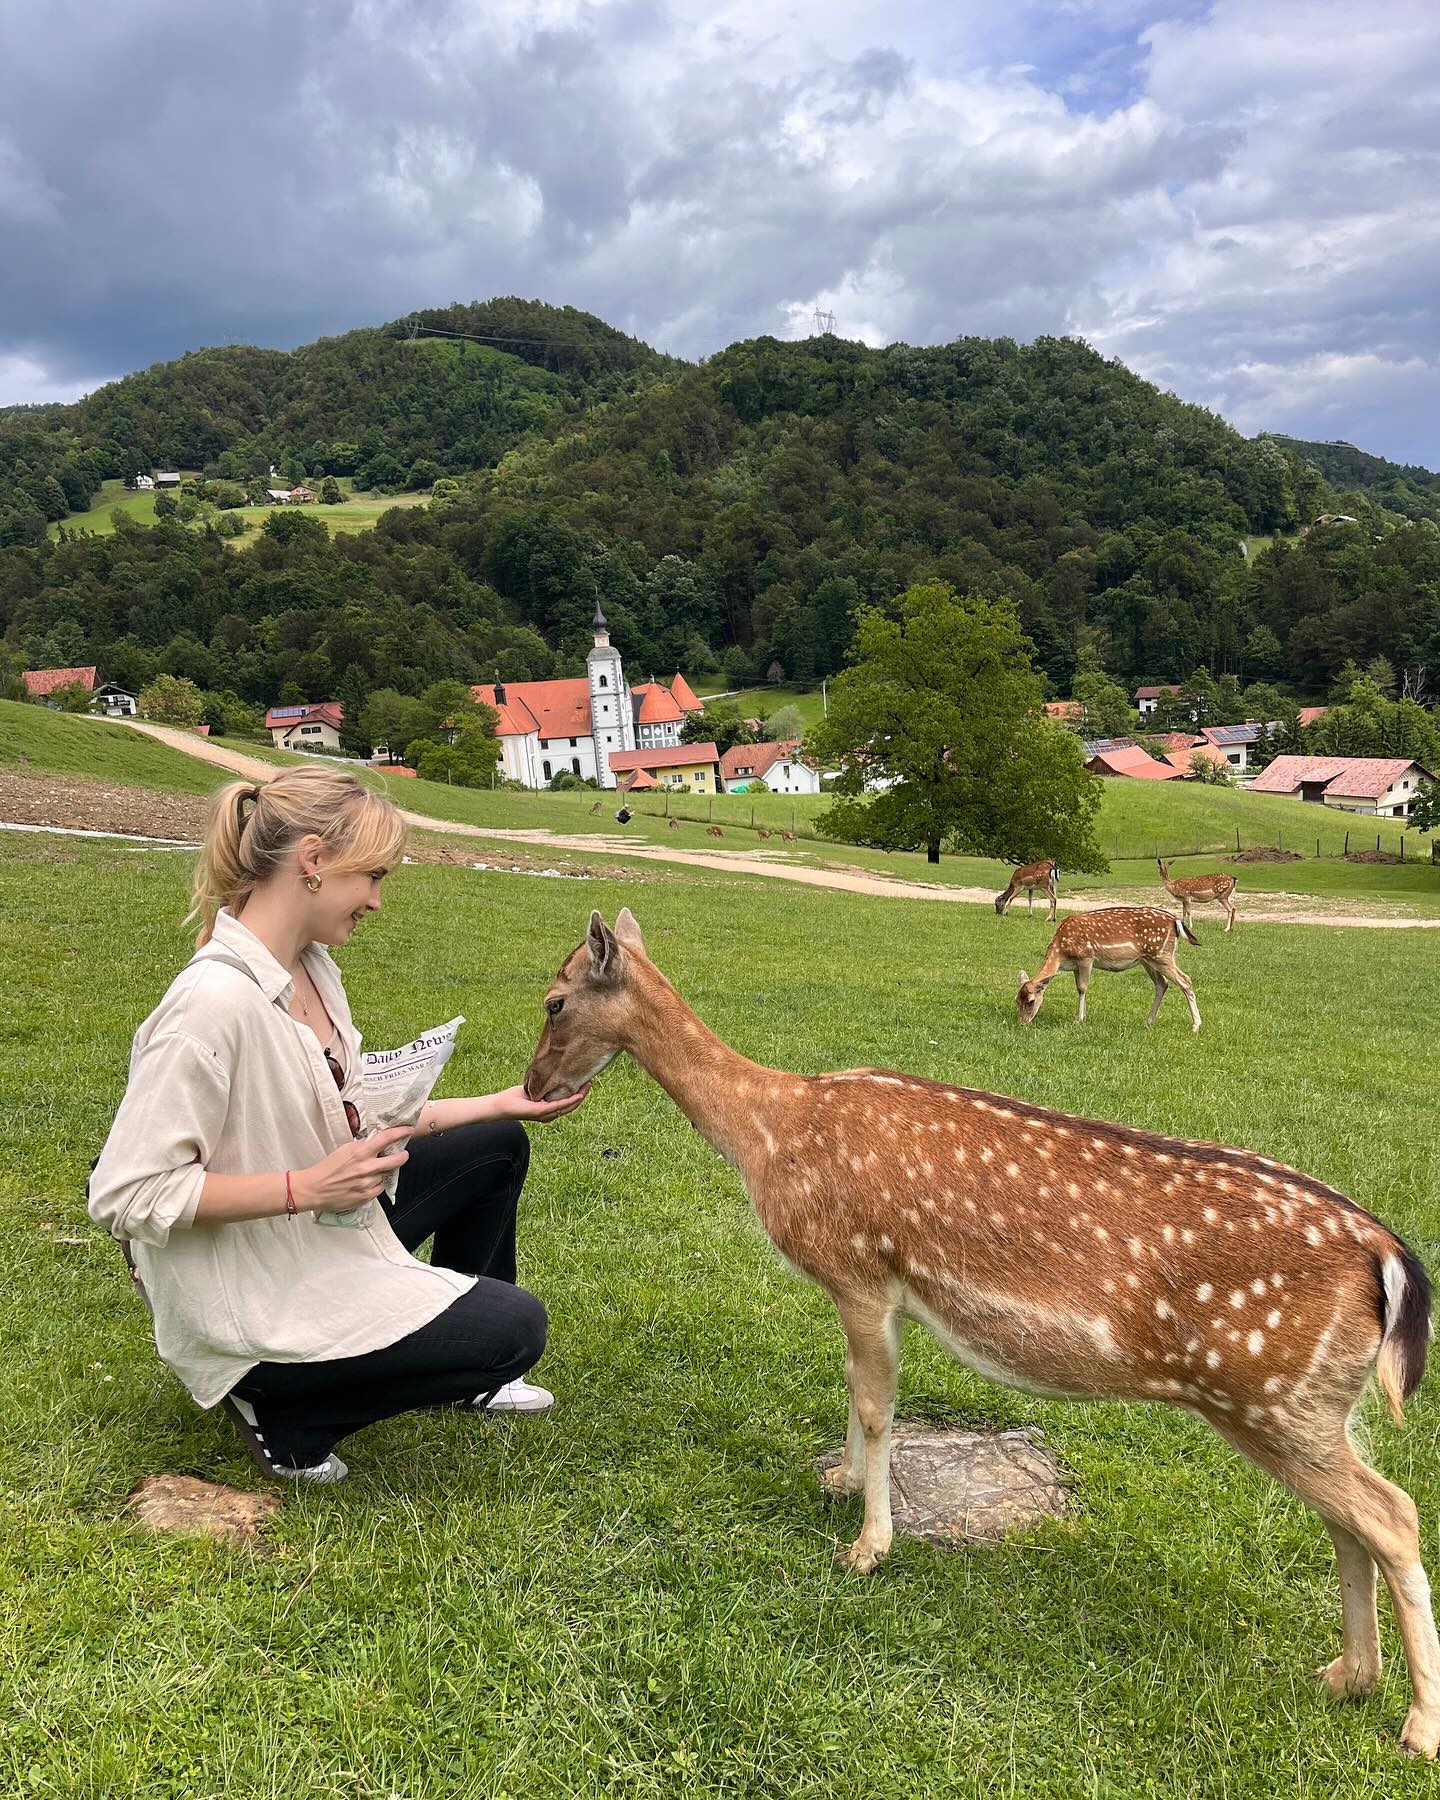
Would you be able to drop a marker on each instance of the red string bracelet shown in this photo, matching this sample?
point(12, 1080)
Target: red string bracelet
point(290, 1206)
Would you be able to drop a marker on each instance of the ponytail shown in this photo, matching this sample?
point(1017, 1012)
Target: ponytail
point(254, 825)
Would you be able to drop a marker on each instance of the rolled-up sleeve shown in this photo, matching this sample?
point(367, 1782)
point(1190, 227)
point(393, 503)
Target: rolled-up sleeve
point(147, 1182)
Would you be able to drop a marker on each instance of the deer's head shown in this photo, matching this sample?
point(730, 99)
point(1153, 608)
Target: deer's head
point(587, 1009)
point(1027, 1001)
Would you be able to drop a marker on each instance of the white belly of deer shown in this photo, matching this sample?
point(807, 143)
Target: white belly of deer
point(1117, 958)
point(1091, 1331)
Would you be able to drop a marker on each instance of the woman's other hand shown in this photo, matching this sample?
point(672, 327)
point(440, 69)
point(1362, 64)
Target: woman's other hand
point(514, 1103)
point(352, 1174)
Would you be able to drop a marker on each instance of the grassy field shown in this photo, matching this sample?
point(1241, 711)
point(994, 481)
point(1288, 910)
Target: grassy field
point(760, 702)
point(35, 740)
point(635, 1595)
point(358, 514)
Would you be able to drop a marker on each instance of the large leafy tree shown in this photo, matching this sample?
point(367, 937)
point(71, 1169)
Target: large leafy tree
point(940, 739)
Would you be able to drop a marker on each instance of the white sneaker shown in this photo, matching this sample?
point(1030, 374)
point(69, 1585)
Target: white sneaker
point(517, 1397)
point(332, 1469)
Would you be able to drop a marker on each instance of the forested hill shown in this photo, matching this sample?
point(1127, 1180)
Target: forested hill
point(450, 390)
point(1404, 488)
point(733, 515)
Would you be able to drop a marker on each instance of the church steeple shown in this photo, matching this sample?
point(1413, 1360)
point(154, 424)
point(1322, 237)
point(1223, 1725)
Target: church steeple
point(611, 714)
point(602, 629)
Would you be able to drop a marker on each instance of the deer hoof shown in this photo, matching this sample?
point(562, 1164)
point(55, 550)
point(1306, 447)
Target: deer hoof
point(864, 1559)
point(1421, 1736)
point(1347, 1681)
point(838, 1482)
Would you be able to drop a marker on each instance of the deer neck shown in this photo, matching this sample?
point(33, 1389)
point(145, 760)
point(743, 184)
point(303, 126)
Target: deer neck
point(736, 1105)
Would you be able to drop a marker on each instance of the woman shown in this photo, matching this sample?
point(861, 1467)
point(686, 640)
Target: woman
point(239, 1157)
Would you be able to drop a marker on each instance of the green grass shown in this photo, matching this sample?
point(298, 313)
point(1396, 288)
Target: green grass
point(35, 740)
point(635, 1595)
point(356, 515)
point(760, 702)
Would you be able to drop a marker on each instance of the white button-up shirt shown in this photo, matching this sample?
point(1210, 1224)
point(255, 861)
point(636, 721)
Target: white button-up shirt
point(224, 1081)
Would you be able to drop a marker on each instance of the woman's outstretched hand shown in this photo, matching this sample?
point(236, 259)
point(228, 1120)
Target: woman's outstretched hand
point(514, 1103)
point(352, 1174)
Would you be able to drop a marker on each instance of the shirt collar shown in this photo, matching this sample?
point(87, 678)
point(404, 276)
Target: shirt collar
point(239, 941)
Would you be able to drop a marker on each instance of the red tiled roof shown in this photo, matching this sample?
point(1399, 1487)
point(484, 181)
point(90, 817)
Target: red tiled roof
point(1062, 709)
point(1172, 740)
point(1360, 777)
point(635, 779)
point(1181, 759)
point(672, 756)
point(45, 681)
point(553, 708)
point(1131, 760)
point(685, 694)
point(657, 705)
point(752, 762)
point(1154, 693)
point(285, 718)
point(1309, 714)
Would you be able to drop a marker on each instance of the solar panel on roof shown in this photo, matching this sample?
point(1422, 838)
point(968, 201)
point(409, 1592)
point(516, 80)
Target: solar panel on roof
point(288, 712)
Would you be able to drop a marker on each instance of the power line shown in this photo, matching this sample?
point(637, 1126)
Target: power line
point(824, 323)
point(413, 330)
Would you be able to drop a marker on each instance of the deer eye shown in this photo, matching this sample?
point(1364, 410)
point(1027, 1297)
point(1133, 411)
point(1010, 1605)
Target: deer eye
point(553, 1007)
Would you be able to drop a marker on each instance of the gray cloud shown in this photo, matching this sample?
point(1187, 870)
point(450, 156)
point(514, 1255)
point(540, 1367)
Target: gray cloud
point(1238, 201)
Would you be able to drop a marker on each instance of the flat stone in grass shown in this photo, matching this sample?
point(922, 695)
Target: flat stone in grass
point(970, 1487)
point(201, 1508)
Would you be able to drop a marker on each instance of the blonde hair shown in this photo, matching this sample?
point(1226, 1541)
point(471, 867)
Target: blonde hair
point(254, 825)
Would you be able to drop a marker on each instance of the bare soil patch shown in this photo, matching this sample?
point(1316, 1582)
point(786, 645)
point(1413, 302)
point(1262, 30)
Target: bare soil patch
point(1261, 855)
point(81, 804)
point(1372, 856)
point(198, 1508)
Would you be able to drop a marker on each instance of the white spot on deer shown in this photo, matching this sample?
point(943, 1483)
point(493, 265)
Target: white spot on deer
point(1187, 1236)
point(912, 1215)
point(1132, 1280)
point(1212, 1359)
point(1272, 1320)
point(1331, 1225)
point(857, 1241)
point(1277, 1281)
point(1108, 1285)
point(1135, 1247)
point(1273, 1384)
point(1232, 1337)
point(1162, 1309)
point(1072, 1189)
point(1312, 1236)
point(1256, 1342)
point(1013, 1171)
point(1204, 1291)
point(1102, 1234)
point(885, 1243)
point(1192, 1346)
point(987, 1155)
point(1168, 1233)
point(1210, 1216)
point(1237, 1299)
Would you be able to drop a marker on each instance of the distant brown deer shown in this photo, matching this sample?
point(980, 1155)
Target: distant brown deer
point(789, 837)
point(713, 831)
point(1201, 890)
point(1044, 875)
point(1060, 1254)
point(595, 808)
point(1115, 938)
point(764, 833)
point(674, 824)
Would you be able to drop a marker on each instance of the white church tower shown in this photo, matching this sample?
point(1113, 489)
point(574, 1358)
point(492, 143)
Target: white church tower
point(612, 719)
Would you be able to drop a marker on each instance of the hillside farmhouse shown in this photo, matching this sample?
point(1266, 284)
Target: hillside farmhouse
point(168, 479)
point(549, 726)
point(1130, 761)
point(43, 682)
point(1383, 786)
point(1148, 698)
point(778, 765)
point(692, 766)
point(312, 727)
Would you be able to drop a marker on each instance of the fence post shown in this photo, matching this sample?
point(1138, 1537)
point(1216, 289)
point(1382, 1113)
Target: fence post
point(1347, 843)
point(1402, 846)
point(1377, 842)
point(1280, 836)
point(752, 815)
point(1317, 849)
point(667, 803)
point(1237, 840)
point(711, 814)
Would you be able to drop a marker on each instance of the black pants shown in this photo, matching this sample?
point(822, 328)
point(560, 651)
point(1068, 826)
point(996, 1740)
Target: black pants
point(461, 1188)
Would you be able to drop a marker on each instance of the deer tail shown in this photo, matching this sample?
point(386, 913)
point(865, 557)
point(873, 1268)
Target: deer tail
point(1405, 1325)
point(1183, 930)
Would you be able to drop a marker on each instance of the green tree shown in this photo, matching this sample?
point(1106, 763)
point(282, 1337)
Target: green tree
point(785, 722)
point(331, 493)
point(943, 705)
point(353, 694)
point(394, 720)
point(1105, 709)
point(470, 761)
point(721, 724)
point(73, 697)
point(172, 700)
point(1264, 655)
point(166, 505)
point(1211, 771)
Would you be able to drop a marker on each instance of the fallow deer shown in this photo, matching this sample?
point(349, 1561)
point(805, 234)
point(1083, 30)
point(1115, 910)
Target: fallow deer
point(763, 833)
point(595, 808)
point(1060, 1254)
point(713, 831)
point(1044, 875)
point(1200, 890)
point(674, 824)
point(789, 837)
point(1115, 938)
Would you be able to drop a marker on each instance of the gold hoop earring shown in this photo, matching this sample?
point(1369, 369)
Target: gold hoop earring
point(313, 883)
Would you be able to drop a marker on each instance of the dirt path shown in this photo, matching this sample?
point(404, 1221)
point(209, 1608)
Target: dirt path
point(1291, 909)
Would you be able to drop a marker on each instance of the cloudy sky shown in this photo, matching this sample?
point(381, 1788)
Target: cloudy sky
point(1241, 199)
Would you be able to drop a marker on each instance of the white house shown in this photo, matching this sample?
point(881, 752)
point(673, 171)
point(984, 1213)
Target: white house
point(312, 727)
point(779, 766)
point(1384, 786)
point(144, 483)
point(114, 701)
point(547, 727)
point(1148, 698)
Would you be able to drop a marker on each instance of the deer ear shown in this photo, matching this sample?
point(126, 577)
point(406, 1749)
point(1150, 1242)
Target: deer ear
point(1024, 978)
point(627, 931)
point(600, 942)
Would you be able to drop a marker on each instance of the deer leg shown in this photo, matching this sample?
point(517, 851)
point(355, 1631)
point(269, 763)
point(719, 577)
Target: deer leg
point(1181, 980)
point(1082, 983)
point(1052, 905)
point(1229, 915)
point(1384, 1527)
point(1029, 902)
point(872, 1365)
point(1160, 988)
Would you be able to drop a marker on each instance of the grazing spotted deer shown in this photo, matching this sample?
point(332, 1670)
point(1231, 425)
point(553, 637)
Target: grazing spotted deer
point(1060, 1254)
point(1115, 938)
point(763, 833)
point(1200, 890)
point(674, 824)
point(713, 831)
point(789, 837)
point(1044, 875)
point(595, 808)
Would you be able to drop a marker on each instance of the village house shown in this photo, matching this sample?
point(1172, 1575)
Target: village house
point(144, 483)
point(1184, 760)
point(114, 701)
point(1234, 742)
point(169, 479)
point(1148, 698)
point(315, 726)
point(43, 682)
point(692, 766)
point(1130, 761)
point(778, 765)
point(1383, 786)
point(546, 727)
